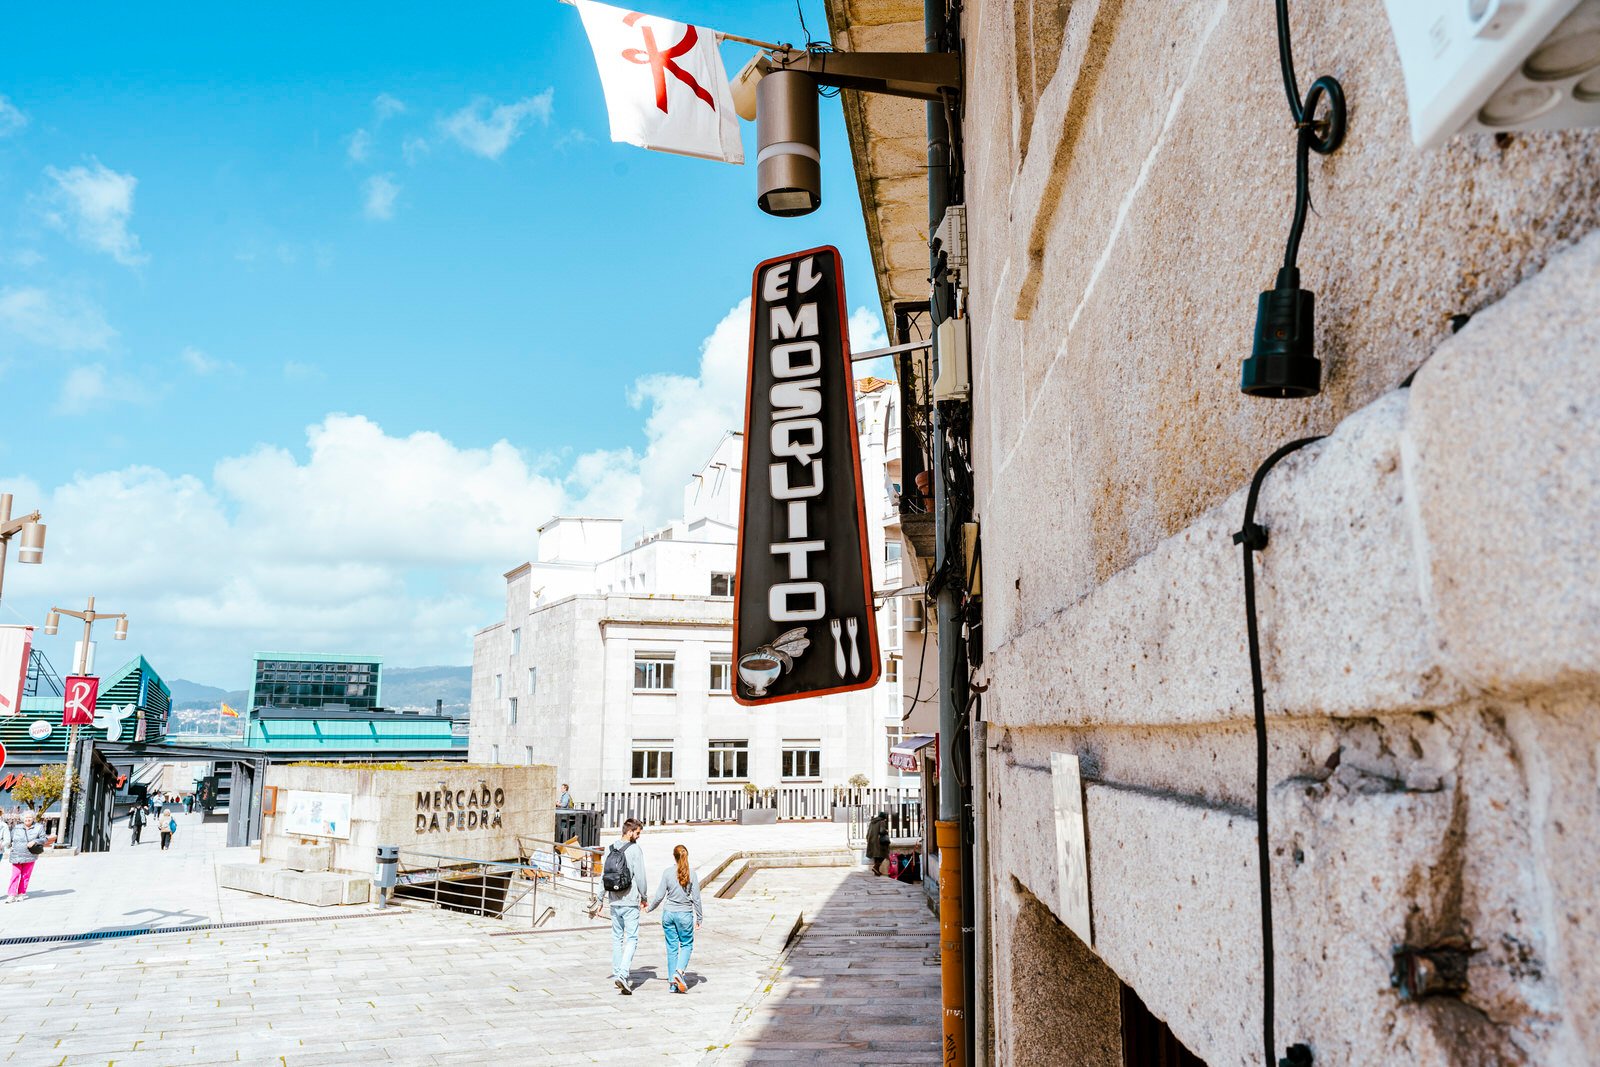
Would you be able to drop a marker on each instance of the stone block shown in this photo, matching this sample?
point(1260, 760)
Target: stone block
point(307, 857)
point(1505, 428)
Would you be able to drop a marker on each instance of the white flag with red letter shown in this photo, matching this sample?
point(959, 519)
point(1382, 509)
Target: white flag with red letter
point(664, 81)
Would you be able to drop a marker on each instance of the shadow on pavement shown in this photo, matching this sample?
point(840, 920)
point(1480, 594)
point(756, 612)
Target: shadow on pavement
point(860, 984)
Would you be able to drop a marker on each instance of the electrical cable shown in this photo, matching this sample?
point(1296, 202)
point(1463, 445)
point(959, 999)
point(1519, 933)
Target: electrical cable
point(1253, 539)
point(1308, 137)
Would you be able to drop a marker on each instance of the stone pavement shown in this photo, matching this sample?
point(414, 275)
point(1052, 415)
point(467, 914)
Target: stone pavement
point(425, 987)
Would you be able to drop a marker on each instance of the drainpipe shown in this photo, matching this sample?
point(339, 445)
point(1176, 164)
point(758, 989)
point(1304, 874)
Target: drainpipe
point(948, 829)
point(979, 865)
point(952, 960)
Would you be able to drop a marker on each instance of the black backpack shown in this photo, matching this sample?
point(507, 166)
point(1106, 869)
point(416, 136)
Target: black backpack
point(616, 876)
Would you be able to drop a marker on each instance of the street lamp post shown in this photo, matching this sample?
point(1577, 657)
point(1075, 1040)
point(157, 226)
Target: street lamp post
point(32, 530)
point(73, 798)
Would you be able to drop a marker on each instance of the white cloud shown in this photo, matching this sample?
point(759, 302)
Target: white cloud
point(685, 419)
point(96, 203)
point(385, 106)
point(12, 120)
point(202, 364)
point(359, 539)
point(295, 371)
point(359, 147)
point(488, 129)
point(63, 323)
point(414, 148)
point(84, 389)
point(378, 196)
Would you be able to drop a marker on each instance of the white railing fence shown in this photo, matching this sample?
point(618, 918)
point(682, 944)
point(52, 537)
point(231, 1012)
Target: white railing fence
point(723, 804)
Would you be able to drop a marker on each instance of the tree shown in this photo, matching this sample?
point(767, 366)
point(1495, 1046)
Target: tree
point(43, 790)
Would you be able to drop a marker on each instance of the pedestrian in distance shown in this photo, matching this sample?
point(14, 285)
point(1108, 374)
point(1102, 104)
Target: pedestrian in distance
point(25, 842)
point(681, 918)
point(878, 841)
point(565, 799)
point(136, 823)
point(167, 823)
point(622, 877)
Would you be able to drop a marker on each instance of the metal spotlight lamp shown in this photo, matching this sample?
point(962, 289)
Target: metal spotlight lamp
point(31, 549)
point(789, 163)
point(121, 632)
point(52, 623)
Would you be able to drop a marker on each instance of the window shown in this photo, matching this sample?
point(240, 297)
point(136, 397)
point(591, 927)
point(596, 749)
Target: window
point(891, 550)
point(516, 641)
point(729, 759)
point(721, 672)
point(891, 618)
point(721, 585)
point(494, 754)
point(891, 669)
point(802, 759)
point(652, 761)
point(653, 670)
point(511, 712)
point(527, 754)
point(533, 680)
point(499, 686)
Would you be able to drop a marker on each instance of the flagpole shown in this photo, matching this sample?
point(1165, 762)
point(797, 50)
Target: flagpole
point(768, 45)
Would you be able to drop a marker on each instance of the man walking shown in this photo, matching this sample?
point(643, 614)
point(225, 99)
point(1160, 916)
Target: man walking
point(136, 822)
point(626, 889)
point(565, 799)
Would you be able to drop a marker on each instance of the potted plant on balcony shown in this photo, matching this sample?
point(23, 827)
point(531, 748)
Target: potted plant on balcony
point(847, 798)
point(761, 809)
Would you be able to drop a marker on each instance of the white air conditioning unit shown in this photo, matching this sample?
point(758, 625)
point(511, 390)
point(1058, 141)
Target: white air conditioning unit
point(1484, 66)
point(950, 345)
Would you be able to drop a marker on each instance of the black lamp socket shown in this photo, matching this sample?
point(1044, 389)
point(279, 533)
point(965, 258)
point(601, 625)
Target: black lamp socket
point(1281, 363)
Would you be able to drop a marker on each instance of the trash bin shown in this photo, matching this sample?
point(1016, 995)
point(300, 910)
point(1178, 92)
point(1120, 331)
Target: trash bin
point(582, 823)
point(387, 873)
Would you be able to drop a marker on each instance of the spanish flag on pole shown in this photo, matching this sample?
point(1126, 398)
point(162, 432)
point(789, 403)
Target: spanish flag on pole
point(229, 712)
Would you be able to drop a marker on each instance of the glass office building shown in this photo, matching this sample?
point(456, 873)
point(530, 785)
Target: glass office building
point(299, 680)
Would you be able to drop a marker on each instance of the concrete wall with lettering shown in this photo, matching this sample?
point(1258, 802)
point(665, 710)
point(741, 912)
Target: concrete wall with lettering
point(441, 808)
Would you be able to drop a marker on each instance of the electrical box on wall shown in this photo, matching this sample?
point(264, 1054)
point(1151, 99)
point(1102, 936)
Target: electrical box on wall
point(1483, 66)
point(950, 343)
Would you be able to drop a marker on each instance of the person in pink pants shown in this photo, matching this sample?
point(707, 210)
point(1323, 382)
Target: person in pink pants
point(21, 840)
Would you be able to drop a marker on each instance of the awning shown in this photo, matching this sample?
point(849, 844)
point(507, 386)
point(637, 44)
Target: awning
point(903, 757)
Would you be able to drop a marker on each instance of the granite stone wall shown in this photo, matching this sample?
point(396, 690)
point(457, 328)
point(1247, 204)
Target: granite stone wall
point(1430, 596)
point(449, 809)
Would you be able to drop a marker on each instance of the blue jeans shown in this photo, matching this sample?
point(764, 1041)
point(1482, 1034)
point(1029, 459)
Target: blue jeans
point(678, 926)
point(624, 938)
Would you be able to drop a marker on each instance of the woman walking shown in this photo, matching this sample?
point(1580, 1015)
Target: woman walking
point(168, 825)
point(682, 917)
point(878, 841)
point(24, 843)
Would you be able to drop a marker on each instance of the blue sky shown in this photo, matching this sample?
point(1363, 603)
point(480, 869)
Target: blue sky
point(309, 313)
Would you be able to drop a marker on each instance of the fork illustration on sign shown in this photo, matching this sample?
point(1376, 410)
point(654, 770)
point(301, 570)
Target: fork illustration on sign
point(855, 657)
point(838, 648)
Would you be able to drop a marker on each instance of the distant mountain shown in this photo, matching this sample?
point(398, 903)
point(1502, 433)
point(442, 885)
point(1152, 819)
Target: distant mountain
point(419, 687)
point(403, 687)
point(187, 694)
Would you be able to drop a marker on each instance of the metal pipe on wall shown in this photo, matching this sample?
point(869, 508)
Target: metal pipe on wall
point(979, 865)
point(952, 960)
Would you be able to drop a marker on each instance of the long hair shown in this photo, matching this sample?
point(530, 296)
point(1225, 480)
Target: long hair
point(681, 854)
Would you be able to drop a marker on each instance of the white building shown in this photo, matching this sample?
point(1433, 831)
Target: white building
point(616, 665)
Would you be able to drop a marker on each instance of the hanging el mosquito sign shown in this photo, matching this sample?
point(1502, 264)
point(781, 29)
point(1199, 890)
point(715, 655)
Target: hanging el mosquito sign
point(803, 623)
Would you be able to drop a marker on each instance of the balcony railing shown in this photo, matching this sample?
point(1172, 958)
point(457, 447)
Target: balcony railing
point(723, 804)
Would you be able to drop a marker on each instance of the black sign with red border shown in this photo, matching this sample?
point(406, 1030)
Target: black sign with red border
point(803, 619)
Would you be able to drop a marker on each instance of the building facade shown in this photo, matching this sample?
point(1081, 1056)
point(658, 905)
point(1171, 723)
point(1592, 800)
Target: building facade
point(1427, 593)
point(131, 705)
point(316, 680)
point(616, 665)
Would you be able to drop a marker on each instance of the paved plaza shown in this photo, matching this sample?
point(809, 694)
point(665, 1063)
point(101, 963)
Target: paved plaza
point(858, 985)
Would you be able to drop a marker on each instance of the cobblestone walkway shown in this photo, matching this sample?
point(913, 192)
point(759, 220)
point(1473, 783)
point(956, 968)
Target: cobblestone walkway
point(427, 987)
